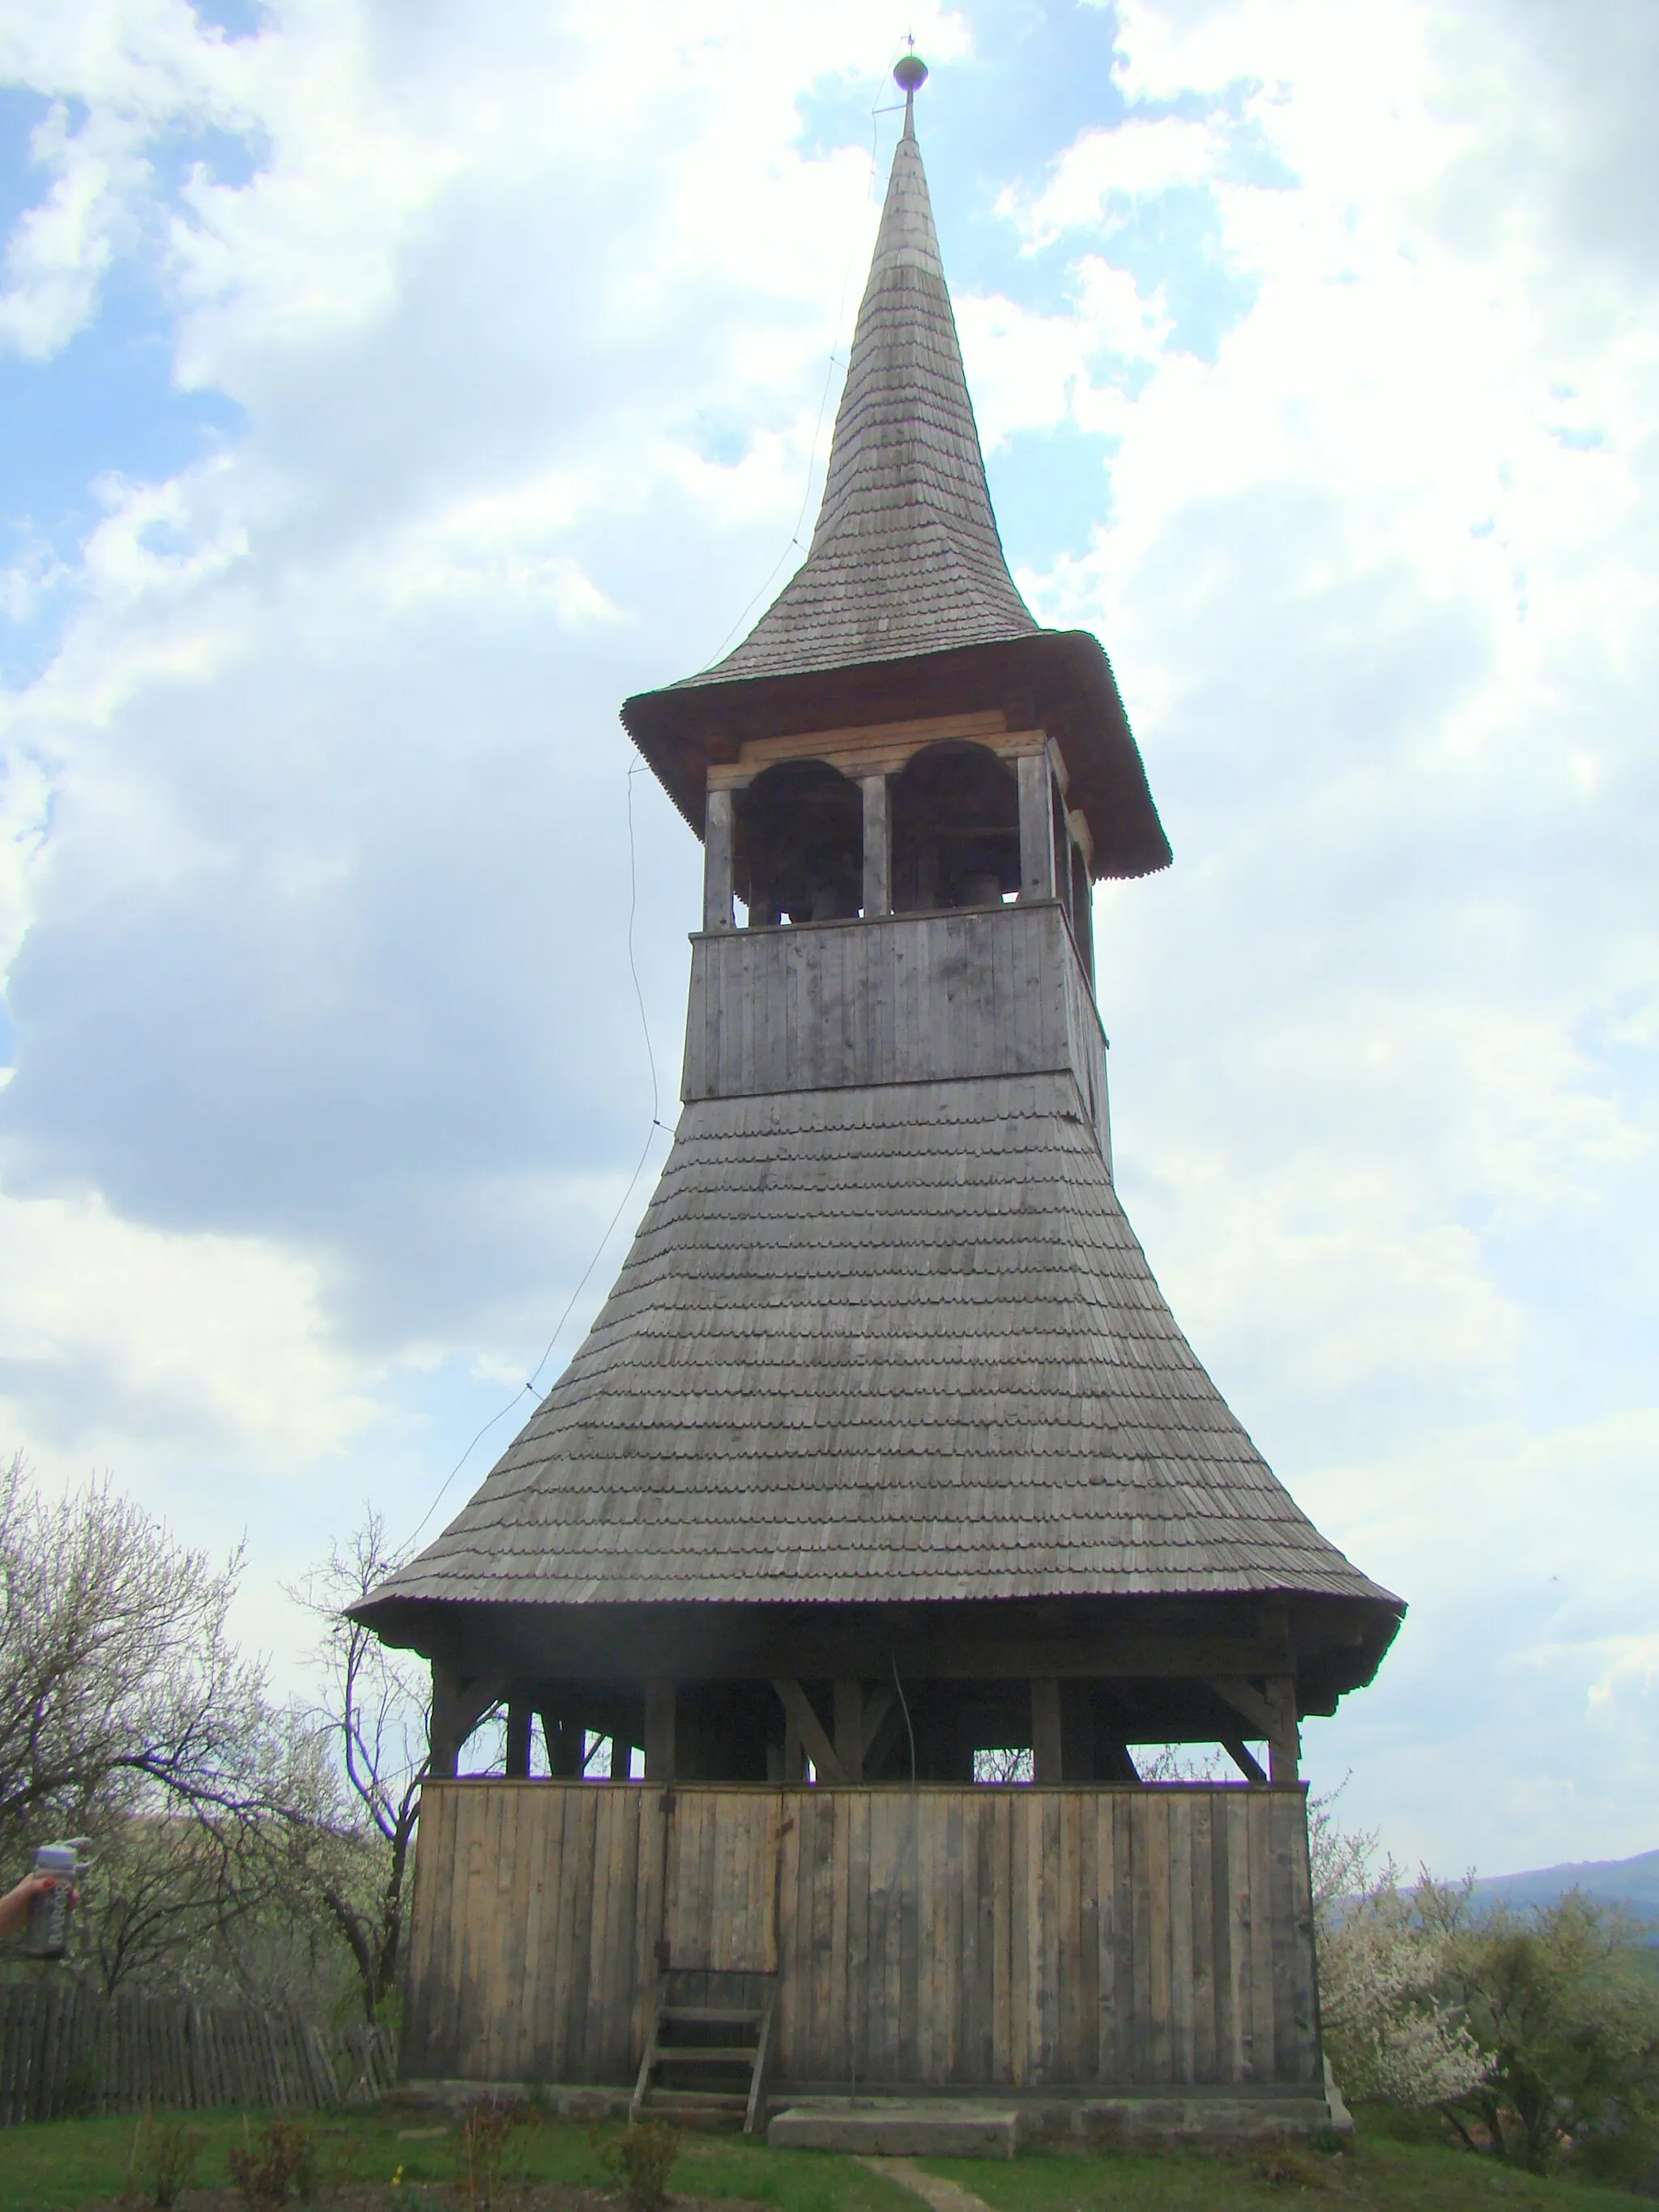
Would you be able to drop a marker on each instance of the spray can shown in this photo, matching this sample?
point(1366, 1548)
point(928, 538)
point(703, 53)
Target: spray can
point(48, 1929)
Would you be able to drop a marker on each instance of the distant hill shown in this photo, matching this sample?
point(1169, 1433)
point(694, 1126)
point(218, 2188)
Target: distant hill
point(1632, 1883)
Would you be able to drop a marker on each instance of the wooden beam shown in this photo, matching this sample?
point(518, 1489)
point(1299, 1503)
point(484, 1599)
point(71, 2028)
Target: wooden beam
point(717, 861)
point(849, 1729)
point(810, 1729)
point(518, 1739)
point(1036, 839)
point(1244, 1697)
point(877, 847)
point(659, 1732)
point(1236, 1749)
point(1046, 1763)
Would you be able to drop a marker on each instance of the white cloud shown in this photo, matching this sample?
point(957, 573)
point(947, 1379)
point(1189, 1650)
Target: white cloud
point(61, 249)
point(110, 1328)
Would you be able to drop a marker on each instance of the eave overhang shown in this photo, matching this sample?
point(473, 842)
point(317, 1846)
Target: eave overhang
point(1059, 681)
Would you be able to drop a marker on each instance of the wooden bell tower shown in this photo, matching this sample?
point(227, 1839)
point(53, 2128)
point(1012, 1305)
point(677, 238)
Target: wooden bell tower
point(885, 1450)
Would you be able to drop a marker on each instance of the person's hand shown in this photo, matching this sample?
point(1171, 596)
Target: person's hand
point(15, 1903)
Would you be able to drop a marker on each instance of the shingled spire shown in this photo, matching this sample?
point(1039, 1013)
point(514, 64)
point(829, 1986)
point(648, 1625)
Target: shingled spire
point(905, 557)
point(904, 605)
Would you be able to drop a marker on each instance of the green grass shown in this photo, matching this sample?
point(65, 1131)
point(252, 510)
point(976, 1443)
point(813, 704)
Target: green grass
point(59, 2166)
point(1377, 2173)
point(64, 2165)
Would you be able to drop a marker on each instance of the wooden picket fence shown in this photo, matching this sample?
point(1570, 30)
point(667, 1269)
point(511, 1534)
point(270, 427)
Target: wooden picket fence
point(68, 2050)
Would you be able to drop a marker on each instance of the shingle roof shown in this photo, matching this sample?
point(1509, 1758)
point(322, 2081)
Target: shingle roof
point(897, 1344)
point(906, 557)
point(904, 605)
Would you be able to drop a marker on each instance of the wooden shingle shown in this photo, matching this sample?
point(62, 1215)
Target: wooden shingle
point(838, 1363)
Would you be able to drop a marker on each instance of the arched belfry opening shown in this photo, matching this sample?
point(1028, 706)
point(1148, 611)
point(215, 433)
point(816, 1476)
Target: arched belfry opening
point(954, 808)
point(885, 1520)
point(798, 844)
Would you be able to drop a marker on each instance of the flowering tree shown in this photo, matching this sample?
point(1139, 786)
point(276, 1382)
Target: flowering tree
point(1391, 2031)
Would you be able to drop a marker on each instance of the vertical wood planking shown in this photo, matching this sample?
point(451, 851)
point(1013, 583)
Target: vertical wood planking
point(988, 1937)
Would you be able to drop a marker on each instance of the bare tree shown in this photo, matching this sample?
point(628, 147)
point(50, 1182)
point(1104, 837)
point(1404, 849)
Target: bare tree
point(374, 1715)
point(118, 1681)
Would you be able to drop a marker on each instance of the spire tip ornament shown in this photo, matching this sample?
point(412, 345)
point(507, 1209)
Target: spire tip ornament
point(910, 74)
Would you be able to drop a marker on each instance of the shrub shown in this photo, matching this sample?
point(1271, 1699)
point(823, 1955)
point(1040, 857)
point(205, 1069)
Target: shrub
point(164, 2157)
point(284, 2163)
point(482, 2144)
point(642, 2158)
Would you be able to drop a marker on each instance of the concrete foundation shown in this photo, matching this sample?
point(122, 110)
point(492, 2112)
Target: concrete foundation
point(890, 2128)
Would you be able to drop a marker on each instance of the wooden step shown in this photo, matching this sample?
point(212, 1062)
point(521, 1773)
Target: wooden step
point(706, 2054)
point(662, 2057)
point(694, 2100)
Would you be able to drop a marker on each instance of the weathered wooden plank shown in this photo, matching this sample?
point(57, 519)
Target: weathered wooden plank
point(1074, 1941)
point(428, 1925)
point(1019, 2062)
point(1309, 2066)
point(857, 1815)
point(1201, 1920)
point(1161, 2022)
point(1182, 2031)
point(1288, 2037)
point(1259, 1812)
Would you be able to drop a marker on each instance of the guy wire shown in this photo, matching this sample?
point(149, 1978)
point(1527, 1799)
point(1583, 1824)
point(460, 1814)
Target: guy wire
point(635, 768)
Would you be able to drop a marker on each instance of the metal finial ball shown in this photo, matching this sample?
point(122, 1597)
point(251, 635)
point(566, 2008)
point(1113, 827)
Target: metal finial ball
point(910, 73)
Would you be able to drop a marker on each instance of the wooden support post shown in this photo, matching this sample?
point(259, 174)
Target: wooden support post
point(1036, 840)
point(459, 1704)
point(1046, 1763)
point(563, 1740)
point(1083, 910)
point(809, 1729)
point(877, 847)
point(518, 1739)
point(717, 861)
point(850, 1730)
point(1271, 1712)
point(1283, 1738)
point(659, 1732)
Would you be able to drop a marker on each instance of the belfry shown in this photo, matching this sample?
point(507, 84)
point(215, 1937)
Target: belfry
point(885, 1452)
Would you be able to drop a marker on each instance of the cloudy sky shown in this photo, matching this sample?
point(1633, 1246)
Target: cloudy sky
point(388, 387)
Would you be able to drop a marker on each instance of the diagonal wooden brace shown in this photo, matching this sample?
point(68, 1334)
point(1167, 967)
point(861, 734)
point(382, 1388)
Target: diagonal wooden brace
point(1271, 1712)
point(810, 1729)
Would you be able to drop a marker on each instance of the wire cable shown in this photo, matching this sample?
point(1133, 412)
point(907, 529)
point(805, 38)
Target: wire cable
point(534, 1376)
point(904, 1707)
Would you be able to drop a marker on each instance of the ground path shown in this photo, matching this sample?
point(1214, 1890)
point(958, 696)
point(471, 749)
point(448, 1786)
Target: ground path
point(938, 2194)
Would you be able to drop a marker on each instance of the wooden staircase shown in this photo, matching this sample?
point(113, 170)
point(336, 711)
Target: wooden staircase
point(708, 2049)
